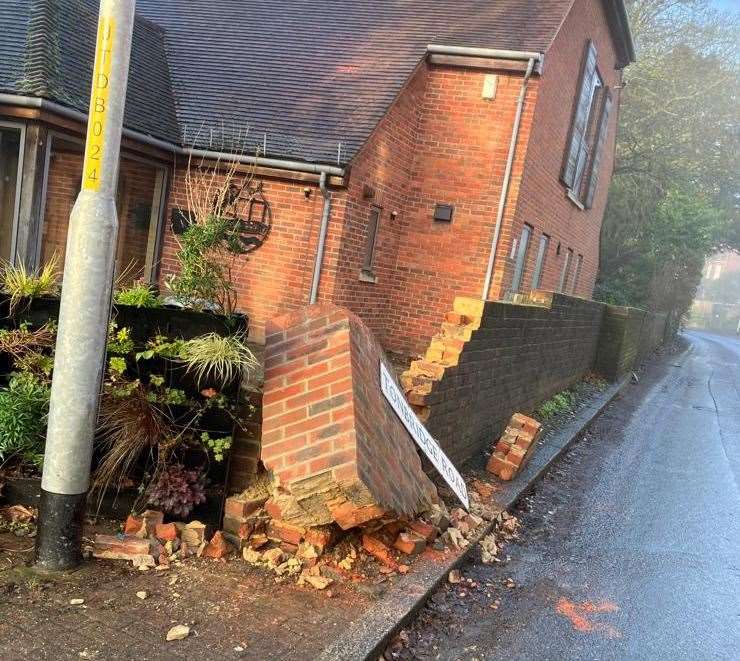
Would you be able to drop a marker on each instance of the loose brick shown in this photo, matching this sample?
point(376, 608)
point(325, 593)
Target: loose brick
point(409, 543)
point(379, 551)
point(285, 532)
point(167, 532)
point(125, 547)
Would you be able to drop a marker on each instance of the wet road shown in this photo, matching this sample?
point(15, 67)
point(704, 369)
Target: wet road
point(630, 547)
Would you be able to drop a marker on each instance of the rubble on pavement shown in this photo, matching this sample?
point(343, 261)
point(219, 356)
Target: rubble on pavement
point(315, 557)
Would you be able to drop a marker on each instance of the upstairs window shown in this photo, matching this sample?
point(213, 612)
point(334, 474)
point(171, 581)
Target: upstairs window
point(588, 133)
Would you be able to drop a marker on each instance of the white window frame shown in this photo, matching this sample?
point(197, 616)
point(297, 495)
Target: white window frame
point(540, 263)
point(18, 185)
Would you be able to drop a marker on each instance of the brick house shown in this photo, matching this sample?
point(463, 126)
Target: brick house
point(409, 152)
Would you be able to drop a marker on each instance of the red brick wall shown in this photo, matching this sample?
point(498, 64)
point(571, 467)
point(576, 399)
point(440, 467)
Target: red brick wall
point(460, 160)
point(276, 277)
point(385, 164)
point(542, 200)
point(332, 441)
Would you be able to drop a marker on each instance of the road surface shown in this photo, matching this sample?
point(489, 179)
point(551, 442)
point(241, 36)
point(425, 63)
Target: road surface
point(630, 548)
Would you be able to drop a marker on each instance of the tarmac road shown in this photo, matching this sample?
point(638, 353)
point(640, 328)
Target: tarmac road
point(630, 547)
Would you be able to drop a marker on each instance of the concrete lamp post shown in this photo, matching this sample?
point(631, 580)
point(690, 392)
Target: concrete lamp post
point(86, 301)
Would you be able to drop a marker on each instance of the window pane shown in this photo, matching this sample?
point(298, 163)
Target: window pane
point(577, 274)
point(521, 259)
point(540, 264)
point(137, 204)
point(10, 149)
point(566, 270)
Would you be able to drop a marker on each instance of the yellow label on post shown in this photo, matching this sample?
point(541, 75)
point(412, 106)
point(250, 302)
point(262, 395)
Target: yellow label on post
point(92, 168)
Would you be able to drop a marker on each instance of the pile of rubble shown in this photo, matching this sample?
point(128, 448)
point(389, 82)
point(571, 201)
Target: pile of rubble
point(315, 556)
point(148, 542)
point(321, 555)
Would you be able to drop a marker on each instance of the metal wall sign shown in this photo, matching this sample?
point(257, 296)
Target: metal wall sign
point(421, 436)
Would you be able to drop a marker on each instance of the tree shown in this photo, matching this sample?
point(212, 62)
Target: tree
point(674, 195)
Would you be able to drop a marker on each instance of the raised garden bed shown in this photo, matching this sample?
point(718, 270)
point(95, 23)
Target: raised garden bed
point(148, 366)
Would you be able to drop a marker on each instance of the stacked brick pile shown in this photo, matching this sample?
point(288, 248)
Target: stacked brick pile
point(514, 447)
point(334, 445)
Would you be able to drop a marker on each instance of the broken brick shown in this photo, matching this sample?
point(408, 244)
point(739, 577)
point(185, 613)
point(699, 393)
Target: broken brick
point(239, 508)
point(500, 467)
point(193, 533)
point(217, 548)
point(425, 530)
point(134, 526)
point(258, 540)
point(379, 551)
point(322, 537)
point(115, 547)
point(166, 532)
point(285, 532)
point(483, 489)
point(288, 548)
point(409, 543)
point(348, 515)
point(273, 509)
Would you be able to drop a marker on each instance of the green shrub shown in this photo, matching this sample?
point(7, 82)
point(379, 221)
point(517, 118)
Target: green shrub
point(212, 356)
point(21, 283)
point(24, 407)
point(139, 295)
point(207, 249)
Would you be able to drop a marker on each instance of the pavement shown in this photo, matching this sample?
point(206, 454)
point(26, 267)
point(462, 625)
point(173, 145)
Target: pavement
point(630, 545)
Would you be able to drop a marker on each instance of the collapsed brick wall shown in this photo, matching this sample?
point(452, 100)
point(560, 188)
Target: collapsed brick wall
point(627, 336)
point(491, 359)
point(334, 445)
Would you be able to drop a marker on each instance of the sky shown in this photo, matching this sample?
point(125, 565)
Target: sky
point(727, 4)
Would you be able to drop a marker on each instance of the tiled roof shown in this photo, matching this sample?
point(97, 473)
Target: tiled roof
point(314, 74)
point(50, 46)
point(302, 76)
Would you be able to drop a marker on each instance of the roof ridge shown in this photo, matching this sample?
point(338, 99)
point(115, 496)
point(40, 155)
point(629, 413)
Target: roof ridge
point(41, 67)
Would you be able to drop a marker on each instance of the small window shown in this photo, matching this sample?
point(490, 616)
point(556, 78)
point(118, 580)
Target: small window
point(521, 259)
point(372, 235)
point(540, 264)
point(566, 270)
point(577, 274)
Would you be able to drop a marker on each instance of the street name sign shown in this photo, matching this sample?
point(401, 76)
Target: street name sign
point(421, 436)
